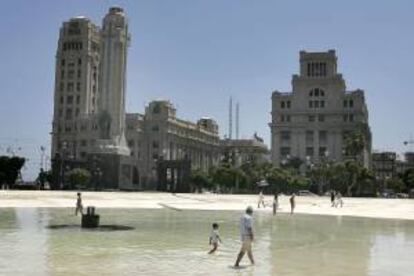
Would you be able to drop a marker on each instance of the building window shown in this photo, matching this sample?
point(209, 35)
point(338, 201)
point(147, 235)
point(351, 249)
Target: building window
point(62, 86)
point(316, 92)
point(282, 118)
point(62, 74)
point(351, 117)
point(322, 104)
point(71, 74)
point(282, 104)
point(322, 151)
point(78, 99)
point(62, 100)
point(62, 62)
point(345, 103)
point(323, 137)
point(155, 128)
point(69, 99)
point(309, 151)
point(321, 118)
point(311, 118)
point(285, 136)
point(287, 118)
point(84, 143)
point(77, 112)
point(345, 118)
point(288, 104)
point(79, 61)
point(316, 104)
point(60, 113)
point(70, 87)
point(131, 143)
point(351, 103)
point(310, 104)
point(69, 113)
point(79, 73)
point(284, 151)
point(78, 86)
point(94, 88)
point(155, 144)
point(155, 156)
point(309, 137)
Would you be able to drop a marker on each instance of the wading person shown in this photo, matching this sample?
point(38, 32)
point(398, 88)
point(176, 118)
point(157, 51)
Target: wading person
point(246, 232)
point(275, 204)
point(261, 200)
point(332, 198)
point(214, 238)
point(79, 206)
point(292, 203)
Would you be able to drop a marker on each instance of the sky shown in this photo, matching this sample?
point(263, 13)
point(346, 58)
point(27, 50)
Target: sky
point(198, 53)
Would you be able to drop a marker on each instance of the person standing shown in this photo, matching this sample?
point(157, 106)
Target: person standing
point(292, 203)
point(79, 206)
point(332, 198)
point(261, 200)
point(275, 204)
point(247, 237)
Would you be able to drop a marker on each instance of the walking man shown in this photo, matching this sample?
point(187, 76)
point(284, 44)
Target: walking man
point(246, 232)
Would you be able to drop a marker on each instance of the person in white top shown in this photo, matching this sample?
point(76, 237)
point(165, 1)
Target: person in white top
point(214, 238)
point(261, 200)
point(247, 237)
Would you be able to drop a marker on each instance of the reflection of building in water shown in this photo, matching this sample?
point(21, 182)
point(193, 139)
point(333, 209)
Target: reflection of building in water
point(313, 121)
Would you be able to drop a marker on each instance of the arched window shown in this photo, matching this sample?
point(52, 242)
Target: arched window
point(316, 92)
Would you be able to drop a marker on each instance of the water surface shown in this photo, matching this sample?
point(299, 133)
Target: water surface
point(169, 242)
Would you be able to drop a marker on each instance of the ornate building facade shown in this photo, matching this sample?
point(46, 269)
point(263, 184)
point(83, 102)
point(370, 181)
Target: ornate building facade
point(91, 128)
point(313, 121)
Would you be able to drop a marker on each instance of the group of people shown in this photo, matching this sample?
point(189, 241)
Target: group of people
point(275, 204)
point(336, 199)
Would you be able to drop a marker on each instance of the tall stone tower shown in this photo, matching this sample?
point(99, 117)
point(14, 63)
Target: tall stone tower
point(111, 119)
point(76, 84)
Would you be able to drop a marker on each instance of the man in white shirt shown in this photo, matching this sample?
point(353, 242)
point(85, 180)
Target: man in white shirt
point(246, 232)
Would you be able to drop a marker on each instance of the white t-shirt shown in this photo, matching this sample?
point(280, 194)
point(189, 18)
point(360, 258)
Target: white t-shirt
point(214, 236)
point(246, 223)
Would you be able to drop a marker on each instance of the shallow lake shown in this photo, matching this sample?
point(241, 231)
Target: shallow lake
point(170, 242)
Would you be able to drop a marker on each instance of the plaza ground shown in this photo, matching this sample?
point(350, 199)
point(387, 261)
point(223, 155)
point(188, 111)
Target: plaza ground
point(359, 207)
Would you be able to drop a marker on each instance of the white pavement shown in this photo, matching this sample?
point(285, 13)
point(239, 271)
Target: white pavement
point(360, 207)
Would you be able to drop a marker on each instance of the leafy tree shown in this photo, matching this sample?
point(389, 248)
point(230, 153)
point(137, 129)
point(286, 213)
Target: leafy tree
point(200, 179)
point(79, 178)
point(408, 178)
point(229, 177)
point(279, 179)
point(396, 184)
point(10, 168)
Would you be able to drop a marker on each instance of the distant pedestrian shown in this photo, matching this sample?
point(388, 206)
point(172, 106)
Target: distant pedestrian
point(246, 232)
point(214, 238)
point(79, 206)
point(338, 199)
point(261, 200)
point(275, 204)
point(292, 203)
point(332, 198)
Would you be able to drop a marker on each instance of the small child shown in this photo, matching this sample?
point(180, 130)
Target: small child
point(214, 238)
point(79, 206)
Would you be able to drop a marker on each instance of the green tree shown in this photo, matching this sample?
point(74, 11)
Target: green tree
point(408, 178)
point(229, 177)
point(200, 180)
point(279, 179)
point(396, 184)
point(10, 168)
point(79, 178)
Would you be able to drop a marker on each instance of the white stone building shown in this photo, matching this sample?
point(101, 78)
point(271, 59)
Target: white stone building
point(312, 121)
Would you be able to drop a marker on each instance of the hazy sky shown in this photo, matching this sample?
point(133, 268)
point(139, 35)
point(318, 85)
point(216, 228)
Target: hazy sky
point(198, 53)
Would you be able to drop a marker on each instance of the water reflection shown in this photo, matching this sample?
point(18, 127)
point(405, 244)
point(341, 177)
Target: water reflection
point(166, 242)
